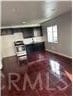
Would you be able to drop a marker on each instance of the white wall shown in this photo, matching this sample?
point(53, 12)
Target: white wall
point(0, 54)
point(8, 45)
point(64, 45)
point(8, 48)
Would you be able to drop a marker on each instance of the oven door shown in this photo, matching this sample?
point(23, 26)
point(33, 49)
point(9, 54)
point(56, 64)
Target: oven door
point(20, 50)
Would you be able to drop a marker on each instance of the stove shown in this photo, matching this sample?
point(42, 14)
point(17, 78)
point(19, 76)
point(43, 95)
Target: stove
point(20, 49)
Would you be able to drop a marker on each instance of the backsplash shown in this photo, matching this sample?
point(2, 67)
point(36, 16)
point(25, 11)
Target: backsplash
point(35, 39)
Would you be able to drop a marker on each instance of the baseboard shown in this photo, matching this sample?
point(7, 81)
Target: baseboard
point(8, 57)
point(59, 54)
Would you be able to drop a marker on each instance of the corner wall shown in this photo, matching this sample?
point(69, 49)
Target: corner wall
point(64, 45)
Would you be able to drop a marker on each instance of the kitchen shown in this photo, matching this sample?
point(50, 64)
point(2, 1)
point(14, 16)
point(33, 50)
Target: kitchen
point(31, 37)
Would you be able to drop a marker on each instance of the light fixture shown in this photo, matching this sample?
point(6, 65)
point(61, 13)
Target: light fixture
point(24, 22)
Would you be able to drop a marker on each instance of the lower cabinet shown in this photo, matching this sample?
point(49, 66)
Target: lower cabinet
point(39, 47)
point(35, 47)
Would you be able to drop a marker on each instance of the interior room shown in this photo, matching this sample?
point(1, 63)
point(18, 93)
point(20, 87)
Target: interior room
point(36, 48)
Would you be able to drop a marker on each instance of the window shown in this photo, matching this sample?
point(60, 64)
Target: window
point(52, 34)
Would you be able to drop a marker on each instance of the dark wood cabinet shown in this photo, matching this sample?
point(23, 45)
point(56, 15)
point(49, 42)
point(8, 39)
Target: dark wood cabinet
point(7, 31)
point(39, 46)
point(32, 32)
point(27, 32)
point(29, 48)
point(35, 47)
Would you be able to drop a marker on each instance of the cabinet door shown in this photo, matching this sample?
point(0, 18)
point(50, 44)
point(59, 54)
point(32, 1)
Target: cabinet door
point(39, 47)
point(37, 31)
point(28, 49)
point(28, 33)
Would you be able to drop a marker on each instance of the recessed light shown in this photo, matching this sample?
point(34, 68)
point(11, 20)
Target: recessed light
point(24, 22)
point(53, 9)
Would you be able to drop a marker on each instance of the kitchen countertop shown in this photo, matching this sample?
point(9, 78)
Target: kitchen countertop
point(34, 43)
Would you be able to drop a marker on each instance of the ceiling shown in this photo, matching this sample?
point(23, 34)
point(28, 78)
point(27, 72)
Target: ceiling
point(31, 12)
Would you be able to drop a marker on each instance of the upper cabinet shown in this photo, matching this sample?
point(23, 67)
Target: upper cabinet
point(37, 31)
point(32, 32)
point(26, 32)
point(6, 31)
